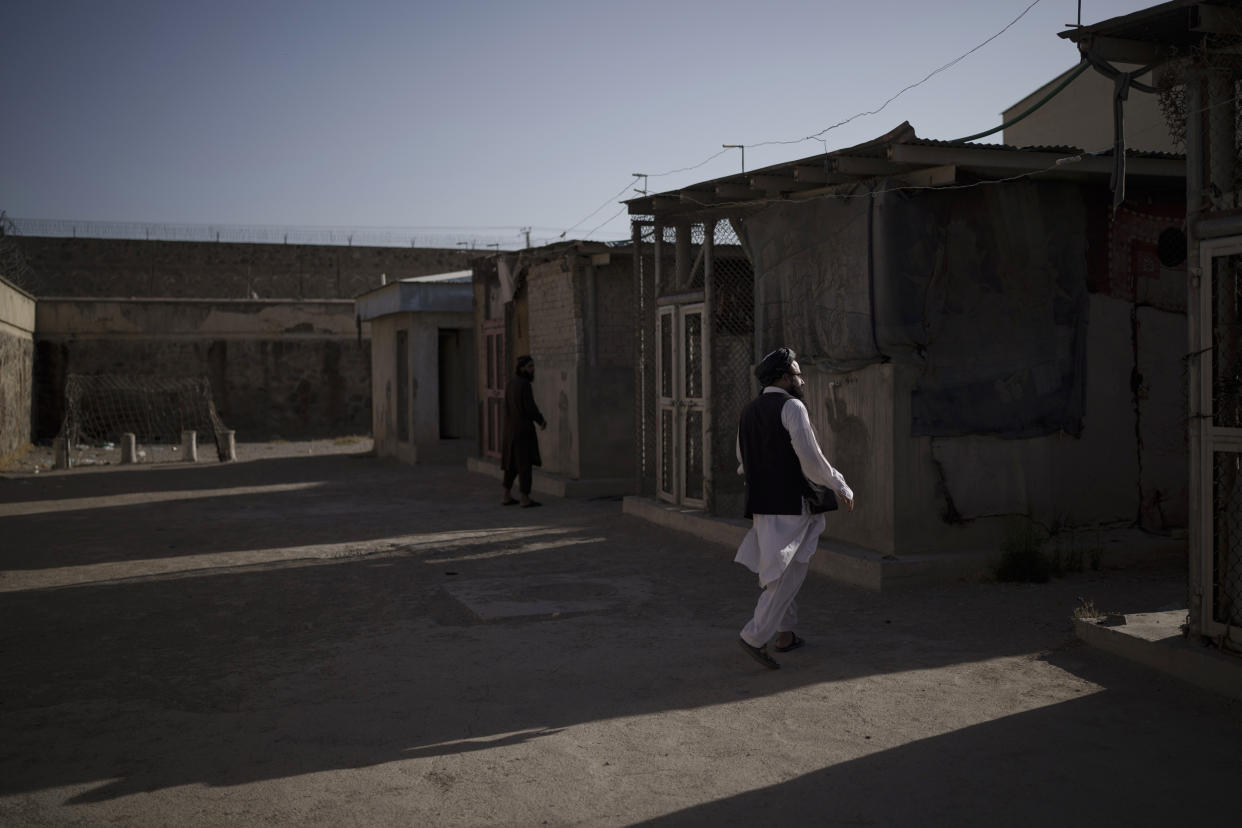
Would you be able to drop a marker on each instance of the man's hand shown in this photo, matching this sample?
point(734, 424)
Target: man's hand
point(849, 505)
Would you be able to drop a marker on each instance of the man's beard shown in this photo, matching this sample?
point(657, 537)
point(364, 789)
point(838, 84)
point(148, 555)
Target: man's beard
point(796, 392)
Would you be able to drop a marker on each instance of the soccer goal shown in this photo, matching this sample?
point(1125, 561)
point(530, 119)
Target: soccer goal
point(101, 408)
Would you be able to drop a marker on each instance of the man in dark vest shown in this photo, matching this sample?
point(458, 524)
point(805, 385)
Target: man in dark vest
point(519, 450)
point(778, 454)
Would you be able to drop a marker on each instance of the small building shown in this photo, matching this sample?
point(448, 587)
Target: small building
point(570, 306)
point(984, 334)
point(422, 367)
point(1081, 114)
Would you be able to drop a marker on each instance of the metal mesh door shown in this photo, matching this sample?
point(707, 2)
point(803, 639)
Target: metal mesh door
point(1225, 571)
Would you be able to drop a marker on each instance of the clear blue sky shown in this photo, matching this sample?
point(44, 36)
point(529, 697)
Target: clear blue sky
point(481, 117)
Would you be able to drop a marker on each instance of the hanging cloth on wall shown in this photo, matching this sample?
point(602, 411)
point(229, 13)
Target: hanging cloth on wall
point(1123, 82)
point(507, 270)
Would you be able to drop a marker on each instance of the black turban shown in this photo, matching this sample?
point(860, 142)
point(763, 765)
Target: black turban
point(775, 365)
point(524, 360)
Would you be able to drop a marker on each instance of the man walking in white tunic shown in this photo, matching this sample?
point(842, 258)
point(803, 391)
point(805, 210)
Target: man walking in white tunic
point(778, 454)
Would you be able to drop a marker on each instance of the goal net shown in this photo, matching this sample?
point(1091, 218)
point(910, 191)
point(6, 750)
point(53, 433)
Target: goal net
point(100, 408)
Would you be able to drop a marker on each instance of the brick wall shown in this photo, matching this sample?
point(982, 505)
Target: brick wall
point(615, 319)
point(111, 267)
point(555, 311)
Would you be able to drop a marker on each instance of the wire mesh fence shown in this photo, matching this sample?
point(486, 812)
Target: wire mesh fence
point(1227, 538)
point(732, 315)
point(1214, 154)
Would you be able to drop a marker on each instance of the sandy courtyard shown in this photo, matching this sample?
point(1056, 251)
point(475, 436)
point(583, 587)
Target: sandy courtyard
point(312, 636)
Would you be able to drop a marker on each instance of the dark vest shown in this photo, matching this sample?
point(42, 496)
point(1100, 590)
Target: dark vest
point(774, 481)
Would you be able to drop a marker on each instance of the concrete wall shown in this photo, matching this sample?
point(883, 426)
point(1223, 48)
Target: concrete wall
point(853, 416)
point(1081, 116)
point(958, 494)
point(1128, 465)
point(423, 388)
point(277, 369)
point(127, 268)
point(17, 324)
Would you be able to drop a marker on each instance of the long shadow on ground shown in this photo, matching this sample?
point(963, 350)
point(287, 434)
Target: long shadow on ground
point(287, 502)
point(263, 672)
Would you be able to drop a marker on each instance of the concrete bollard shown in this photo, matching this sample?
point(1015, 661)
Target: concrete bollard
point(60, 453)
point(189, 446)
point(227, 446)
point(129, 449)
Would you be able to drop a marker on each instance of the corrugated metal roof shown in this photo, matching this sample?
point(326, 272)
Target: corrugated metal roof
point(1166, 24)
point(1065, 149)
point(892, 155)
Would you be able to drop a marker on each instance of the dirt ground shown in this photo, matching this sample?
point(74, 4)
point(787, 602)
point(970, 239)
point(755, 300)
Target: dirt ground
point(312, 636)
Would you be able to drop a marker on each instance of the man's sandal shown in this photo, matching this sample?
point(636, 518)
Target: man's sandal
point(793, 644)
point(759, 654)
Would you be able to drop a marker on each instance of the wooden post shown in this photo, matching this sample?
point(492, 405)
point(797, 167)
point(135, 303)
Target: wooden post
point(1199, 493)
point(681, 256)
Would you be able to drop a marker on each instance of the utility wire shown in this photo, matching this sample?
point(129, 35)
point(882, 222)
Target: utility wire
point(713, 157)
point(611, 200)
point(929, 76)
point(610, 220)
point(818, 136)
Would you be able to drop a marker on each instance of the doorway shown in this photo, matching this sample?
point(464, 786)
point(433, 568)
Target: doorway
point(455, 415)
point(681, 395)
point(1216, 455)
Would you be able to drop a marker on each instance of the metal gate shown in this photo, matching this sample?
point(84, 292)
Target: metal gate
point(1219, 450)
point(694, 288)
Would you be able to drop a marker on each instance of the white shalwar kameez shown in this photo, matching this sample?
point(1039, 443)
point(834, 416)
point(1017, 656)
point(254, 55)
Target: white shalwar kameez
point(779, 547)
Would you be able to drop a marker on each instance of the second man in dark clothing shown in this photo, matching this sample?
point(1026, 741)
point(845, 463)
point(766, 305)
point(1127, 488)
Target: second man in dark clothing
point(519, 451)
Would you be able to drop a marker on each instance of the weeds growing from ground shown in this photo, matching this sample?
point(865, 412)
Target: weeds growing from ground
point(1032, 553)
point(1086, 610)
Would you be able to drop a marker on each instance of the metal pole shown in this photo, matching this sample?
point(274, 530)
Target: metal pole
point(709, 315)
point(1199, 408)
